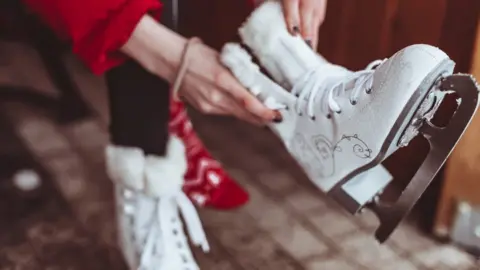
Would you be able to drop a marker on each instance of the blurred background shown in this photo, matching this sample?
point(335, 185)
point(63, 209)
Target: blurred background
point(56, 204)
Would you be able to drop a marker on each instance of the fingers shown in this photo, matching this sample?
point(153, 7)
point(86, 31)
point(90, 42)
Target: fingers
point(292, 15)
point(319, 18)
point(316, 25)
point(245, 115)
point(246, 100)
point(231, 107)
point(307, 22)
point(218, 103)
point(308, 15)
point(204, 105)
point(321, 12)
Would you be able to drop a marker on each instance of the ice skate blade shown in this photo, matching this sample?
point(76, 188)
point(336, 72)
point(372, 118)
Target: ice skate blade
point(442, 141)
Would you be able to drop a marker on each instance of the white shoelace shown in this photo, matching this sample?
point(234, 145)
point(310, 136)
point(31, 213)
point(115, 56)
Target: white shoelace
point(167, 221)
point(331, 81)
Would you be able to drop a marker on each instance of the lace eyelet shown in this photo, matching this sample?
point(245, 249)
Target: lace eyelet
point(313, 118)
point(329, 116)
point(287, 108)
point(300, 114)
point(338, 112)
point(368, 90)
point(353, 102)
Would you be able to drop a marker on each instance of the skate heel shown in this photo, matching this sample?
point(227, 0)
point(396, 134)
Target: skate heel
point(365, 186)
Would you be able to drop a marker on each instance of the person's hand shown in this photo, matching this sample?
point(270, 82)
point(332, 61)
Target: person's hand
point(207, 85)
point(211, 88)
point(305, 17)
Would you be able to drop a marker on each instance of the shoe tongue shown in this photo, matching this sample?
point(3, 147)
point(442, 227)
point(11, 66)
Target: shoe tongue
point(333, 76)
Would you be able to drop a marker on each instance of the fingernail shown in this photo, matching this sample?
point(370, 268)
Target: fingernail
point(278, 117)
point(309, 42)
point(296, 30)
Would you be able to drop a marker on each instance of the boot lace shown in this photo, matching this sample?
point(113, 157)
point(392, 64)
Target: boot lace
point(166, 221)
point(328, 82)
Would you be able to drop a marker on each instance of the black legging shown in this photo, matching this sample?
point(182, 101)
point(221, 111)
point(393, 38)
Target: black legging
point(139, 103)
point(139, 108)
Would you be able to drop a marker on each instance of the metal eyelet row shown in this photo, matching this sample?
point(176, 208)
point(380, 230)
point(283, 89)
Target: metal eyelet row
point(329, 116)
point(180, 245)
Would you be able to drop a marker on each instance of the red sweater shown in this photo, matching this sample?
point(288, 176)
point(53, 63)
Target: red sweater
point(97, 29)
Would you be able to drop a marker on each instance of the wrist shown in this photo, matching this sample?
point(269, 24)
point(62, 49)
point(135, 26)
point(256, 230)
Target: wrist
point(156, 48)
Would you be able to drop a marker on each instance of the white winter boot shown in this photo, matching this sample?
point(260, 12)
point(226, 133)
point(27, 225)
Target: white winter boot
point(149, 201)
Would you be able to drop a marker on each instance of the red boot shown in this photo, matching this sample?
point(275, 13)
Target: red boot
point(206, 183)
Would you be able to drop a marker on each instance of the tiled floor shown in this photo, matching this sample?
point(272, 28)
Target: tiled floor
point(68, 223)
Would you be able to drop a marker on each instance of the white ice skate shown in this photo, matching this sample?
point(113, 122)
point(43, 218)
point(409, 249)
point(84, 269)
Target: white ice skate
point(340, 125)
point(149, 200)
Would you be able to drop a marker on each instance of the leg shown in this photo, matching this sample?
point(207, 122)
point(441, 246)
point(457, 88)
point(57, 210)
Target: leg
point(139, 109)
point(148, 170)
point(206, 182)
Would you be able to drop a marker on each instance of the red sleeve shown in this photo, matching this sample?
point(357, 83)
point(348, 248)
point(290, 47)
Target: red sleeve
point(97, 29)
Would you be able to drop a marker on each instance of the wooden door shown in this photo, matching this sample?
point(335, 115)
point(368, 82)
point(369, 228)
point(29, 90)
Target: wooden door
point(462, 173)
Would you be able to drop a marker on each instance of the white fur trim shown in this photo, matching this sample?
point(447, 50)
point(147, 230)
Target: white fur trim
point(240, 63)
point(165, 175)
point(125, 166)
point(264, 26)
point(286, 57)
point(153, 175)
